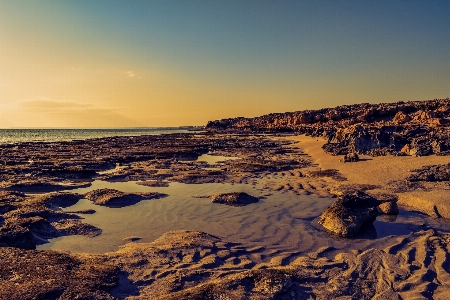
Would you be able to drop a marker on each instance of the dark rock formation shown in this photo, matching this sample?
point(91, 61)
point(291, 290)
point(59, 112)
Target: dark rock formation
point(417, 127)
point(349, 213)
point(115, 198)
point(234, 199)
point(47, 167)
point(350, 157)
point(431, 173)
point(31, 220)
point(41, 185)
point(16, 236)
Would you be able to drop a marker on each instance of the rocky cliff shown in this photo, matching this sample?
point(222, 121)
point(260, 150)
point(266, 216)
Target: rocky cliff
point(402, 128)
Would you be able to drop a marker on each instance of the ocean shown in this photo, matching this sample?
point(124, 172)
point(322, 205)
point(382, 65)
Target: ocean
point(11, 136)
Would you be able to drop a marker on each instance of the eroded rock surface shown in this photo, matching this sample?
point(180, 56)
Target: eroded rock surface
point(388, 208)
point(115, 198)
point(403, 128)
point(431, 173)
point(31, 220)
point(31, 274)
point(46, 167)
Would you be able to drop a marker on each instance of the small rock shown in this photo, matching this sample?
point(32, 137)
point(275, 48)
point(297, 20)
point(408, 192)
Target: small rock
point(234, 199)
point(388, 208)
point(350, 157)
point(131, 239)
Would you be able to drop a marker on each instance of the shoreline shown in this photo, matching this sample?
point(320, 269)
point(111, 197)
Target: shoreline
point(196, 265)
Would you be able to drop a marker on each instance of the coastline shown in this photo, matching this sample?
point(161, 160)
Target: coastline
point(197, 265)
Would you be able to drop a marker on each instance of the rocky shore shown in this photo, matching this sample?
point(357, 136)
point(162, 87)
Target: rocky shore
point(404, 128)
point(389, 156)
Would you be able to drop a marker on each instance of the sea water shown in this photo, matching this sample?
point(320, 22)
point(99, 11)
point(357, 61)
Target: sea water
point(11, 136)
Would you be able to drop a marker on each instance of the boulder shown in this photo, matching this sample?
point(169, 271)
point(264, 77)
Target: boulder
point(349, 213)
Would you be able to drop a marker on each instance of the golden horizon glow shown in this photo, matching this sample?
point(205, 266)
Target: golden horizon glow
point(62, 64)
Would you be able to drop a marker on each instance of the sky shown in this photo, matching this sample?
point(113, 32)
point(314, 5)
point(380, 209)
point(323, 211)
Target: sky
point(84, 63)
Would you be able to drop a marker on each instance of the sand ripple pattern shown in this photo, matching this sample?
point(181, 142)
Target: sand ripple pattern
point(196, 265)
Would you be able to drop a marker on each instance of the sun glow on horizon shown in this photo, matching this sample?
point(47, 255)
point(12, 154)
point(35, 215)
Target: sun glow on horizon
point(140, 64)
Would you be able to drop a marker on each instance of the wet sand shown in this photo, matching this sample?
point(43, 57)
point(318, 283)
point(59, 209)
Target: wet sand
point(186, 247)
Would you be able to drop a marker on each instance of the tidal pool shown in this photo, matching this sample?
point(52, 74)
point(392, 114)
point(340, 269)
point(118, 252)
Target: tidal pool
point(278, 222)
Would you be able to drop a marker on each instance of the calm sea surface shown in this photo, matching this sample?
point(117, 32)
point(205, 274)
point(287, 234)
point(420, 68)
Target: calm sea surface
point(9, 136)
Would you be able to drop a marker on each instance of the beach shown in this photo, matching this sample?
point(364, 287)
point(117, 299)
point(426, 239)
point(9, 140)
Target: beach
point(224, 150)
point(138, 222)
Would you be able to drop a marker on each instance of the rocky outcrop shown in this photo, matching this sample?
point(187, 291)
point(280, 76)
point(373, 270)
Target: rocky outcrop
point(30, 220)
point(349, 213)
point(431, 173)
point(61, 199)
point(355, 209)
point(44, 167)
point(115, 198)
point(402, 128)
point(234, 199)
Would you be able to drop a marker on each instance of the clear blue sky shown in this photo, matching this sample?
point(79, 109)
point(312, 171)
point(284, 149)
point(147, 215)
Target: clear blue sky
point(162, 63)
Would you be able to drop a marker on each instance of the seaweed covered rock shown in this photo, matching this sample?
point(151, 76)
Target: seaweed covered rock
point(349, 213)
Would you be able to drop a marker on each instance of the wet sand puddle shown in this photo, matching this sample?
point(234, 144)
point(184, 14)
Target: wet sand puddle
point(277, 223)
point(214, 159)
